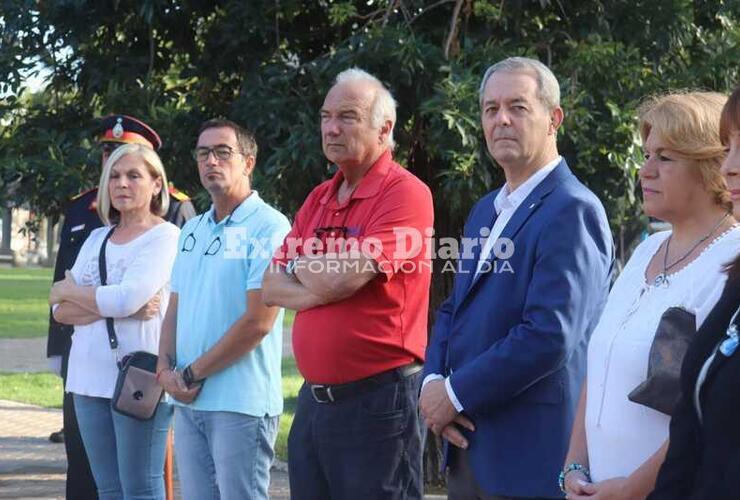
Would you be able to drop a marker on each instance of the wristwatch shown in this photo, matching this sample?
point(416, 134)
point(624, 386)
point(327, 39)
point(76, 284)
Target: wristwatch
point(187, 377)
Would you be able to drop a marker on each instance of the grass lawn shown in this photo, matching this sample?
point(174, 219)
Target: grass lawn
point(45, 389)
point(24, 311)
point(41, 389)
point(292, 381)
point(288, 318)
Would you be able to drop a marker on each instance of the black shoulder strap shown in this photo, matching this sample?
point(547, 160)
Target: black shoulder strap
point(112, 338)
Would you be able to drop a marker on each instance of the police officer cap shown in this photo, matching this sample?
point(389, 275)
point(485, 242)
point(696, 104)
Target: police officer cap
point(128, 130)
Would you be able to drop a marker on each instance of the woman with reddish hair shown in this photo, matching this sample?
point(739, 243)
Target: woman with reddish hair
point(703, 459)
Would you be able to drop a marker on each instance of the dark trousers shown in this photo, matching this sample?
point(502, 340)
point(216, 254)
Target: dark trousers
point(461, 484)
point(80, 482)
point(365, 446)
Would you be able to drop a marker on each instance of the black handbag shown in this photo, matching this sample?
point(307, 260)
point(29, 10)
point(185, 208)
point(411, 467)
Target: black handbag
point(137, 392)
point(662, 388)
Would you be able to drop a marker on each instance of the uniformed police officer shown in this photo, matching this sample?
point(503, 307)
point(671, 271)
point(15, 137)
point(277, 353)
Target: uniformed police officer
point(80, 218)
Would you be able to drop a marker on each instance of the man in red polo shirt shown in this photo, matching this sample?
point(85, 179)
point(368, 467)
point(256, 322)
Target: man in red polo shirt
point(356, 267)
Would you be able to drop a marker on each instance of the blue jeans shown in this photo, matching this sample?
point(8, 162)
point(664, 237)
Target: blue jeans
point(126, 455)
point(224, 455)
point(365, 446)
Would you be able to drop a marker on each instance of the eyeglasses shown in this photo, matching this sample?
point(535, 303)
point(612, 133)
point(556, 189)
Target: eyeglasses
point(221, 152)
point(188, 243)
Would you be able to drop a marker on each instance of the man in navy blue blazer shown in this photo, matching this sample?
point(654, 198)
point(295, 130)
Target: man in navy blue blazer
point(508, 351)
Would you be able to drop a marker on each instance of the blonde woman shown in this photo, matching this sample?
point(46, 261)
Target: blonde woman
point(704, 452)
point(126, 455)
point(623, 443)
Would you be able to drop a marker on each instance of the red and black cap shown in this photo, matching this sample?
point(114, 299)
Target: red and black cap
point(128, 130)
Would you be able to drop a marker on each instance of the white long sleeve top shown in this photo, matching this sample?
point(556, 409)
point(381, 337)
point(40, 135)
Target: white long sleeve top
point(621, 434)
point(137, 270)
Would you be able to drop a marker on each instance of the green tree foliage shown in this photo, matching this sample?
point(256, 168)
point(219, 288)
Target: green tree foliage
point(268, 64)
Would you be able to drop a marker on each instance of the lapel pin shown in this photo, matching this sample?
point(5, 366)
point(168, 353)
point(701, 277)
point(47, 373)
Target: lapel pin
point(730, 344)
point(728, 347)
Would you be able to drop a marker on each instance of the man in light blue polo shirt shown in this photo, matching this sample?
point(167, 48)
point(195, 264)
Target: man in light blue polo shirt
point(220, 349)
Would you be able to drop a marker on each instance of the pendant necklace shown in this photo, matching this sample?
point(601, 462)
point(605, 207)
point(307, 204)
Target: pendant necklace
point(729, 345)
point(662, 278)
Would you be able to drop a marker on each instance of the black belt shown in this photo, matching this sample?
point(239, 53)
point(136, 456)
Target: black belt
point(330, 393)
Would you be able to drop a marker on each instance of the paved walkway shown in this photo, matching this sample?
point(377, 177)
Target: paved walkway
point(23, 355)
point(33, 468)
point(30, 466)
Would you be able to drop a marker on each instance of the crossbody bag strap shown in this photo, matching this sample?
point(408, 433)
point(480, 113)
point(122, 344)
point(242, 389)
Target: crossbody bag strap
point(112, 338)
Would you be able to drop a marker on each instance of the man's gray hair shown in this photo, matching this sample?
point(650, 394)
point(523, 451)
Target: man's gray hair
point(548, 89)
point(384, 105)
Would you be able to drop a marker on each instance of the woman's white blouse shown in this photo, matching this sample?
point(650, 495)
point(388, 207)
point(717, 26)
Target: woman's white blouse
point(621, 434)
point(136, 271)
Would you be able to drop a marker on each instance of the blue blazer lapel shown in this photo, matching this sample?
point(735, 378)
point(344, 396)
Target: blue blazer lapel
point(530, 204)
point(466, 267)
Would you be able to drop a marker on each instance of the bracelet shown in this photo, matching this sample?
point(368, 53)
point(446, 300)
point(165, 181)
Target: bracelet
point(570, 468)
point(161, 371)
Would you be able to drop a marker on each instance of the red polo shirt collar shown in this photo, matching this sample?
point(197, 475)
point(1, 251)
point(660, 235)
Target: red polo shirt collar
point(370, 183)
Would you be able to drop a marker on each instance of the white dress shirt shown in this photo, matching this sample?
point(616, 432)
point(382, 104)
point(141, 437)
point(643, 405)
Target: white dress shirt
point(505, 204)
